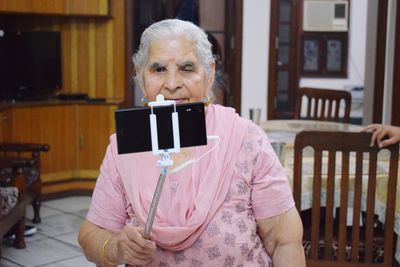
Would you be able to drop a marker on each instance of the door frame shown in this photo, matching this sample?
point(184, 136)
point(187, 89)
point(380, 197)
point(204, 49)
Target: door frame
point(396, 72)
point(294, 66)
point(380, 60)
point(233, 52)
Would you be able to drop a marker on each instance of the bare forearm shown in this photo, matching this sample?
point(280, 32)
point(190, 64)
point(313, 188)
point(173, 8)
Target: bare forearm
point(106, 248)
point(282, 236)
point(289, 255)
point(99, 246)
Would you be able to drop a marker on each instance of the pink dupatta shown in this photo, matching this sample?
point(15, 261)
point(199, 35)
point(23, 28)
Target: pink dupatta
point(191, 197)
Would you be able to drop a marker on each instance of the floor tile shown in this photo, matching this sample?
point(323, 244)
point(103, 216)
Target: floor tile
point(80, 261)
point(35, 237)
point(41, 252)
point(6, 263)
point(60, 225)
point(44, 212)
point(69, 238)
point(81, 213)
point(69, 204)
point(55, 243)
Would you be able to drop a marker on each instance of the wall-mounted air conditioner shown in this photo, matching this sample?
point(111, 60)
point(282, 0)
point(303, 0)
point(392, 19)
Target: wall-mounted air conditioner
point(325, 15)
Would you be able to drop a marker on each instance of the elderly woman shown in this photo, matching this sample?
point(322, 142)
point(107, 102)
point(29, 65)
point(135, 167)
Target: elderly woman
point(234, 207)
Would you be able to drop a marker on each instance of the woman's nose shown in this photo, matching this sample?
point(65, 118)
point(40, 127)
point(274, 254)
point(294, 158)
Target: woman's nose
point(173, 81)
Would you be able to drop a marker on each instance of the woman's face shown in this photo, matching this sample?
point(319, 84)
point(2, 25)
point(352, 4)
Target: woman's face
point(174, 71)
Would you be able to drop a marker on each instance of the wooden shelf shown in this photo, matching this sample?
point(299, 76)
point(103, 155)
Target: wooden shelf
point(56, 7)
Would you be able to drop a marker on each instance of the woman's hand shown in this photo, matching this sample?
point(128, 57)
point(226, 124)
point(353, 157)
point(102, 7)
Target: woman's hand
point(132, 248)
point(106, 248)
point(379, 131)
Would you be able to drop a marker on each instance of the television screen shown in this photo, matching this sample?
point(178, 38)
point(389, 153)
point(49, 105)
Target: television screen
point(30, 64)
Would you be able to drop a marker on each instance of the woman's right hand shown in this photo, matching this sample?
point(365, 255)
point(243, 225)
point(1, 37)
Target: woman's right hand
point(132, 248)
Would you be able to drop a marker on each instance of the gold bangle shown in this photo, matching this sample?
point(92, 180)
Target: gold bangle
point(104, 253)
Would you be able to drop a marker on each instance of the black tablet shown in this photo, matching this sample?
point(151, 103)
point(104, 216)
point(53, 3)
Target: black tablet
point(133, 127)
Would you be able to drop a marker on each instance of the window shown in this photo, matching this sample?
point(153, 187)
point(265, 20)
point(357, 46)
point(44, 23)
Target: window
point(324, 54)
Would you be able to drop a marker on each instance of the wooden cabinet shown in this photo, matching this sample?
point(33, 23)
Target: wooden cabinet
point(48, 6)
point(87, 7)
point(78, 135)
point(20, 6)
point(56, 7)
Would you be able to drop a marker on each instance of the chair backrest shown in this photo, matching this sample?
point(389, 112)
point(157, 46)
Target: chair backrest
point(323, 104)
point(342, 180)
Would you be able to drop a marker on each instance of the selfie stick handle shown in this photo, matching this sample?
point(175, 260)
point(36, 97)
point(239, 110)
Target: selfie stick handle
point(154, 203)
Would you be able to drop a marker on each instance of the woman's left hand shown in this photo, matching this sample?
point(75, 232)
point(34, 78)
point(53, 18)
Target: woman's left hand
point(379, 131)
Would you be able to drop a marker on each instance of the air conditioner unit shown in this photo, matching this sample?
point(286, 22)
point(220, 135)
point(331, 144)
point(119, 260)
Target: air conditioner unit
point(325, 16)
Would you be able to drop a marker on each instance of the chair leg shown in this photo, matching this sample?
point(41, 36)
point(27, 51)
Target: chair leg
point(36, 203)
point(19, 241)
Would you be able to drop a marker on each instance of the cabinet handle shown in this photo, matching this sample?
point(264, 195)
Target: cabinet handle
point(81, 141)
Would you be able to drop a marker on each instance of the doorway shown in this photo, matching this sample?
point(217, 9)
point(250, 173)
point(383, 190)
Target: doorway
point(283, 59)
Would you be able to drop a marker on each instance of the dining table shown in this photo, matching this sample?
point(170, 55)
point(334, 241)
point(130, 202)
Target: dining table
point(282, 133)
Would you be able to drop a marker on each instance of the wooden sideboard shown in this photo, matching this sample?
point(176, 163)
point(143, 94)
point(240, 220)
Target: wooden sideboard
point(78, 135)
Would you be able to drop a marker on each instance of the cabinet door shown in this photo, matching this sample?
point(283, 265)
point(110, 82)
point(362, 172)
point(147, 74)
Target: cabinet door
point(52, 125)
point(1, 126)
point(6, 126)
point(17, 125)
point(56, 126)
point(96, 124)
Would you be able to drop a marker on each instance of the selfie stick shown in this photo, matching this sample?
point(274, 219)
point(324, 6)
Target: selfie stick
point(165, 162)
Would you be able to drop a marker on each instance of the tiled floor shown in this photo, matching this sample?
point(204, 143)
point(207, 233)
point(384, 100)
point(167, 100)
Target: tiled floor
point(55, 244)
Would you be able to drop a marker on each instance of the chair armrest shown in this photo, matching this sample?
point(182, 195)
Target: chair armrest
point(11, 171)
point(18, 149)
point(11, 174)
point(23, 147)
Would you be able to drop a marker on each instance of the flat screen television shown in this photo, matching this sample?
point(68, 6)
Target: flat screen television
point(30, 64)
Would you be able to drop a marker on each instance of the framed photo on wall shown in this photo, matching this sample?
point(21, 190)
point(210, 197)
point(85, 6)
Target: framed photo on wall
point(311, 55)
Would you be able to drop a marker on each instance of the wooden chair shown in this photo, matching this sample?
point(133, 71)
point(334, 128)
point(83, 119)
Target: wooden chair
point(323, 104)
point(11, 174)
point(332, 241)
point(31, 154)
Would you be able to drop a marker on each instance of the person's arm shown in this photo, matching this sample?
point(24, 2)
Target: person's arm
point(379, 131)
point(282, 237)
point(106, 248)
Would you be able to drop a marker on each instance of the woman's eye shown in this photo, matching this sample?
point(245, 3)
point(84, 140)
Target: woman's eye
point(159, 69)
point(187, 68)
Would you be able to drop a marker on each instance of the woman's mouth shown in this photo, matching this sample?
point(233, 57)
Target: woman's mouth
point(179, 101)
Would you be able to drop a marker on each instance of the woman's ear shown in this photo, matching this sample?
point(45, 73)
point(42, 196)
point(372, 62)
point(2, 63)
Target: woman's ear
point(139, 79)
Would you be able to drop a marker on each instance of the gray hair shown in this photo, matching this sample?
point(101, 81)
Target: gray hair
point(161, 29)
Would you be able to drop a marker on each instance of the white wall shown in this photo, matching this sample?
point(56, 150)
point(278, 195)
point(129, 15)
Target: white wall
point(256, 18)
point(370, 61)
point(390, 40)
point(356, 52)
